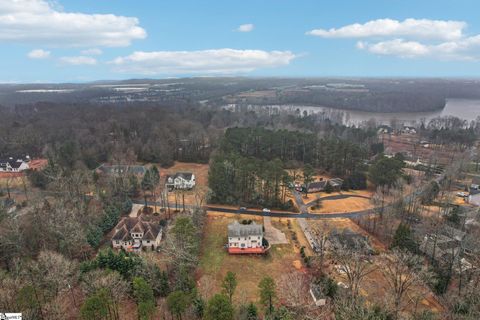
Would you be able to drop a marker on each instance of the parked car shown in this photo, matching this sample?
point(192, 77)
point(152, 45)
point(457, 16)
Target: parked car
point(242, 209)
point(266, 210)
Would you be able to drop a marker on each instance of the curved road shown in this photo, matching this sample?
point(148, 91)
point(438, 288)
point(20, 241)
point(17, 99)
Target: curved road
point(276, 214)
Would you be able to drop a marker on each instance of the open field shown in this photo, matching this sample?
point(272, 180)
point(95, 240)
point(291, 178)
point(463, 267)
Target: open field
point(192, 197)
point(347, 204)
point(257, 94)
point(250, 269)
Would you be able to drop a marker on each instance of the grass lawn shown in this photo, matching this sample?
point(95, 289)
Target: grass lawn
point(250, 269)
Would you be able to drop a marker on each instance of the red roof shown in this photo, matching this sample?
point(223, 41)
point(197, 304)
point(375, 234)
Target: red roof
point(245, 250)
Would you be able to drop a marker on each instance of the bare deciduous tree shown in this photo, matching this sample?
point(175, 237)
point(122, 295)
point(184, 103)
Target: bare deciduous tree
point(404, 273)
point(355, 267)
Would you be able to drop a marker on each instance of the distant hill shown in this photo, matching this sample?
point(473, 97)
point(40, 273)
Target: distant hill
point(369, 94)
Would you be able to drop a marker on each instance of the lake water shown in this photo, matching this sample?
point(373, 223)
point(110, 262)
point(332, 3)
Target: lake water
point(462, 108)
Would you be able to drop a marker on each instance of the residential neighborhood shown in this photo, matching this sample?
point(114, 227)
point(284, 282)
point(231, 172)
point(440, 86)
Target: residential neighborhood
point(240, 160)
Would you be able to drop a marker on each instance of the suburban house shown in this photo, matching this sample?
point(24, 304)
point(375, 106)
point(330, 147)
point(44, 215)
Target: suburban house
point(245, 238)
point(346, 238)
point(318, 186)
point(14, 165)
point(475, 185)
point(133, 234)
point(119, 169)
point(446, 246)
point(180, 181)
point(317, 295)
point(474, 196)
point(409, 130)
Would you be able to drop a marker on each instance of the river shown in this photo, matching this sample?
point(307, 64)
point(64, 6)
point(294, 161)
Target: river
point(462, 108)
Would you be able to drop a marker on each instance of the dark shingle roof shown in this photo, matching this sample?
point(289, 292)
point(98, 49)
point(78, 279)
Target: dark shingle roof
point(319, 185)
point(13, 162)
point(241, 230)
point(184, 175)
point(128, 225)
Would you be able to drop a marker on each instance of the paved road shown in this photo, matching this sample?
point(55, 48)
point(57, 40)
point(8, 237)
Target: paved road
point(274, 214)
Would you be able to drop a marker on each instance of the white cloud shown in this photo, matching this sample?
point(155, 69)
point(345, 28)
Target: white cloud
point(396, 47)
point(410, 28)
point(215, 61)
point(78, 60)
point(91, 52)
point(38, 21)
point(411, 38)
point(38, 54)
point(464, 49)
point(245, 27)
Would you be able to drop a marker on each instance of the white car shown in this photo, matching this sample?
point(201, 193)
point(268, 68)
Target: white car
point(462, 194)
point(266, 210)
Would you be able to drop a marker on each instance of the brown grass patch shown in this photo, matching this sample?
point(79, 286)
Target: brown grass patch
point(250, 269)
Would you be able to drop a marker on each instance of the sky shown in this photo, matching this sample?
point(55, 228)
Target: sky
point(88, 40)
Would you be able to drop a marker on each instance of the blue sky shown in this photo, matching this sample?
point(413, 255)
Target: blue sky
point(74, 41)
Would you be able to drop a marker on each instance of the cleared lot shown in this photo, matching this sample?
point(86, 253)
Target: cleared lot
point(215, 262)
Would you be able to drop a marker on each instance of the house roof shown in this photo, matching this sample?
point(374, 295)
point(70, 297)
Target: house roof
point(121, 234)
point(15, 163)
point(183, 175)
point(336, 182)
point(317, 185)
point(316, 292)
point(129, 225)
point(476, 180)
point(242, 230)
point(350, 239)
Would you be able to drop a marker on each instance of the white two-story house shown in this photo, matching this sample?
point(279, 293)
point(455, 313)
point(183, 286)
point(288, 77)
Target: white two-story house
point(14, 165)
point(180, 181)
point(133, 234)
point(245, 237)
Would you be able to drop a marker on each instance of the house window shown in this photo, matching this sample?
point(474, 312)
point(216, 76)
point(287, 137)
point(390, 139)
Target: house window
point(116, 242)
point(148, 241)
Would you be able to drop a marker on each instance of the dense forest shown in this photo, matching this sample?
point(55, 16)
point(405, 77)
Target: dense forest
point(249, 166)
point(89, 134)
point(374, 95)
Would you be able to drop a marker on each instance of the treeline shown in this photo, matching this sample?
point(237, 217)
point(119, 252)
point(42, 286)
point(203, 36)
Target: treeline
point(332, 154)
point(86, 135)
point(250, 164)
point(451, 131)
point(240, 180)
